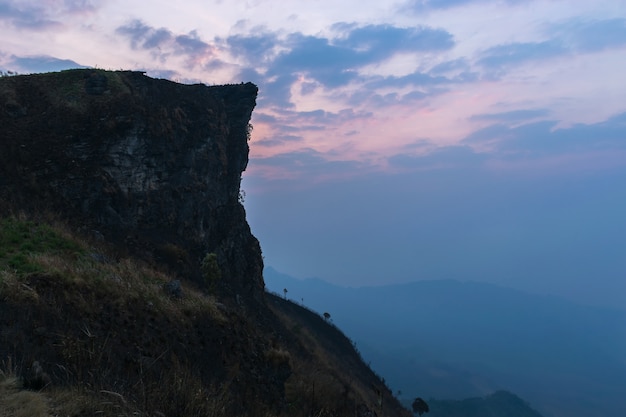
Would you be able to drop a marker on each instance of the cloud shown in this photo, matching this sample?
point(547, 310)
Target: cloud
point(278, 140)
point(334, 61)
point(26, 16)
point(372, 98)
point(329, 64)
point(422, 5)
point(418, 79)
point(300, 168)
point(162, 43)
point(256, 48)
point(290, 127)
point(425, 5)
point(191, 44)
point(572, 37)
point(536, 145)
point(447, 157)
point(142, 36)
point(260, 116)
point(321, 118)
point(277, 91)
point(542, 139)
point(453, 66)
point(39, 16)
point(379, 41)
point(507, 55)
point(83, 6)
point(406, 90)
point(275, 62)
point(591, 35)
point(512, 116)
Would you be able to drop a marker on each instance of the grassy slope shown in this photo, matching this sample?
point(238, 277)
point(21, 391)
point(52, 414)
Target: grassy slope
point(109, 336)
point(329, 371)
point(113, 342)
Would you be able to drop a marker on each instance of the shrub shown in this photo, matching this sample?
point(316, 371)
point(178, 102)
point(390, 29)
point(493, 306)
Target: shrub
point(211, 271)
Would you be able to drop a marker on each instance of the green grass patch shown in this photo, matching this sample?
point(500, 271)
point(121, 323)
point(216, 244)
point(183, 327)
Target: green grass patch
point(21, 239)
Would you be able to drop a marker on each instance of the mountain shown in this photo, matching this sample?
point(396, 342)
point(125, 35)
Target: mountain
point(130, 282)
point(453, 339)
point(500, 403)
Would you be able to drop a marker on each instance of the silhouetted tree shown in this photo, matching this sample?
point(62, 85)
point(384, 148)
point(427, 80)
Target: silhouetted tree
point(419, 406)
point(285, 292)
point(326, 316)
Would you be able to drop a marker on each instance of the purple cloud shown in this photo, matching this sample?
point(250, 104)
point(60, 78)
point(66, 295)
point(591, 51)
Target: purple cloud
point(162, 42)
point(41, 16)
point(334, 62)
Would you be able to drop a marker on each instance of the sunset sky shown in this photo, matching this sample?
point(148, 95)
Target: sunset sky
point(400, 140)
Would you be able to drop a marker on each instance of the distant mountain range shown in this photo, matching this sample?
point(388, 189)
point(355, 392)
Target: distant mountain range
point(449, 339)
point(500, 403)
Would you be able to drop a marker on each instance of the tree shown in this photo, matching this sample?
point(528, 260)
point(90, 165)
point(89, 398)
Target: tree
point(285, 292)
point(419, 406)
point(326, 316)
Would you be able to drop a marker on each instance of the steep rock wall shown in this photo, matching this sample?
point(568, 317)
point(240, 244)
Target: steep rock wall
point(151, 165)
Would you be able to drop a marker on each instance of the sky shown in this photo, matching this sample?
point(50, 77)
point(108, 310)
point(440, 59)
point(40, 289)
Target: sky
point(395, 141)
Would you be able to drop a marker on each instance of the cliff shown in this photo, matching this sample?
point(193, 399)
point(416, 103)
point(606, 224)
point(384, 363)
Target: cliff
point(149, 164)
point(113, 188)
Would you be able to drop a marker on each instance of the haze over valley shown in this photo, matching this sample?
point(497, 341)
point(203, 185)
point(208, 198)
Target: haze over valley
point(448, 339)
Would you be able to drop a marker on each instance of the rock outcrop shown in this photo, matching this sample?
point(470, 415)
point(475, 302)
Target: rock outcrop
point(151, 165)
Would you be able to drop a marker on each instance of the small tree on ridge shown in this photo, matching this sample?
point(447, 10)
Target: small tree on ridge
point(419, 406)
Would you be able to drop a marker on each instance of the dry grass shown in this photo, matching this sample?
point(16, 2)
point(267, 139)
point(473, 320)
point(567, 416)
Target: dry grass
point(76, 401)
point(278, 356)
point(185, 393)
point(333, 383)
point(29, 248)
point(15, 402)
point(85, 272)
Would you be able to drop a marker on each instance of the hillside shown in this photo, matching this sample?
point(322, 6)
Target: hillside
point(115, 191)
point(456, 340)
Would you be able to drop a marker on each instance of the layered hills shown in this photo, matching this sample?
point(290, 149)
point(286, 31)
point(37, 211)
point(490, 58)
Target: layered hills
point(130, 282)
point(454, 340)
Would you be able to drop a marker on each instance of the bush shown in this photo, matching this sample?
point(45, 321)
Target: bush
point(211, 272)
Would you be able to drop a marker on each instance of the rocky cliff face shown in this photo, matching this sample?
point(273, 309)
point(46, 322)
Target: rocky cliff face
point(151, 169)
point(151, 165)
